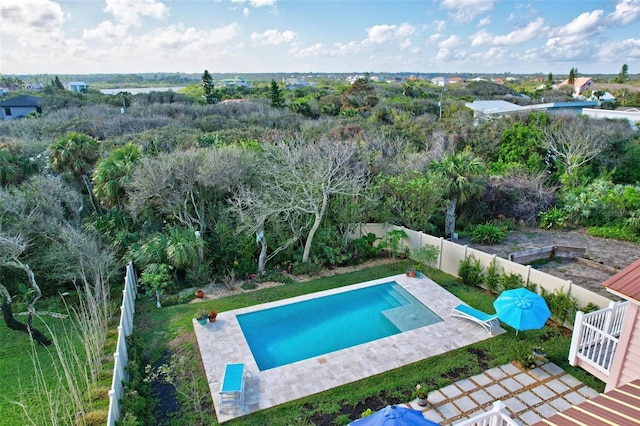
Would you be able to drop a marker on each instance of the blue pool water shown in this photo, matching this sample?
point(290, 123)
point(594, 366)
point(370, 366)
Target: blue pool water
point(297, 331)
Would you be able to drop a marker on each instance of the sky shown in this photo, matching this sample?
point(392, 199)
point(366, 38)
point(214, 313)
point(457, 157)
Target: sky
point(322, 36)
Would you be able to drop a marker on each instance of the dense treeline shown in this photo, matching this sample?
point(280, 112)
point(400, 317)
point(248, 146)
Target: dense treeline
point(178, 182)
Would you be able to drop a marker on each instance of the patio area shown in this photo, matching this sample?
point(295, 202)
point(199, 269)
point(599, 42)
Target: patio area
point(529, 395)
point(223, 343)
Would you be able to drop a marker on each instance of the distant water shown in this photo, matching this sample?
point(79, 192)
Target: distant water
point(137, 90)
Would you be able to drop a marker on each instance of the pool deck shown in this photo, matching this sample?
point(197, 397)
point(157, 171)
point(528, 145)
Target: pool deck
point(223, 343)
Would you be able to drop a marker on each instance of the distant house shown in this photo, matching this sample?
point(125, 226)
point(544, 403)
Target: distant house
point(633, 117)
point(233, 82)
point(439, 81)
point(34, 87)
point(19, 107)
point(580, 84)
point(78, 86)
point(498, 80)
point(484, 110)
point(454, 80)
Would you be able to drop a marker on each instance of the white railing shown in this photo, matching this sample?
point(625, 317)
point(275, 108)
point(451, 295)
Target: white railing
point(497, 416)
point(595, 336)
point(120, 356)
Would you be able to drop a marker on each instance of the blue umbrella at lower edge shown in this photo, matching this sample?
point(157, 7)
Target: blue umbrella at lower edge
point(522, 309)
point(393, 415)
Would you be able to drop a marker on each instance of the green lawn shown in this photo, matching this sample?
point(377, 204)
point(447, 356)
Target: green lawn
point(171, 328)
point(24, 383)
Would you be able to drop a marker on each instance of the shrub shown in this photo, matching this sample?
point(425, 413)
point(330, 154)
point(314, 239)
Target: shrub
point(364, 247)
point(487, 233)
point(470, 271)
point(521, 353)
point(562, 305)
point(426, 256)
point(554, 218)
point(511, 281)
point(249, 285)
point(309, 268)
point(492, 276)
point(623, 233)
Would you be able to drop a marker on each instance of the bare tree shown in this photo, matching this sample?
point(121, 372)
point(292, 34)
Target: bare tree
point(295, 183)
point(177, 185)
point(574, 141)
point(11, 247)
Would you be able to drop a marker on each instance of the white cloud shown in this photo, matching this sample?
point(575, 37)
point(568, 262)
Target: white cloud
point(484, 21)
point(256, 3)
point(131, 13)
point(434, 37)
point(342, 49)
point(447, 49)
point(439, 25)
point(384, 33)
point(404, 45)
point(274, 37)
point(31, 16)
point(105, 31)
point(626, 12)
point(466, 10)
point(314, 50)
point(176, 37)
point(450, 43)
point(620, 52)
point(245, 11)
point(534, 29)
point(579, 30)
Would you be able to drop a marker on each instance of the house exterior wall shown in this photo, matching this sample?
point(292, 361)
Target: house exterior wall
point(626, 362)
point(16, 112)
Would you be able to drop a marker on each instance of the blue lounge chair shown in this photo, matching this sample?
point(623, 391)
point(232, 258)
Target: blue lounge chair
point(489, 322)
point(232, 390)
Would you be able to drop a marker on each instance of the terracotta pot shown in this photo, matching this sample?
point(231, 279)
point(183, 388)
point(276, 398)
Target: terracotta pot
point(199, 294)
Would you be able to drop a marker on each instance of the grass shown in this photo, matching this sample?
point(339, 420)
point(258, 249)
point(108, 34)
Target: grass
point(23, 383)
point(338, 405)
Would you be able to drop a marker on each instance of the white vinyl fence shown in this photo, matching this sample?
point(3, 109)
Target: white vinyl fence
point(452, 253)
point(120, 356)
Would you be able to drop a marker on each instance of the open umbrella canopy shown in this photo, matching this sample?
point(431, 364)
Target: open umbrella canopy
point(522, 309)
point(393, 415)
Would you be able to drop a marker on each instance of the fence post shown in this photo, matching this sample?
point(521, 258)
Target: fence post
point(576, 337)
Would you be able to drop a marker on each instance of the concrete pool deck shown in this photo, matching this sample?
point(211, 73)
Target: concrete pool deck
point(223, 343)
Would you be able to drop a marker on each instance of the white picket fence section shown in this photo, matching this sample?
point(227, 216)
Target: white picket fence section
point(120, 356)
point(497, 416)
point(452, 253)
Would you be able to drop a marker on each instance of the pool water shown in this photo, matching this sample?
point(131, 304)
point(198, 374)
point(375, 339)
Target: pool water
point(297, 331)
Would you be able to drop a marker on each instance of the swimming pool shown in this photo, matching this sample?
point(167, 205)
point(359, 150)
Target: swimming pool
point(297, 331)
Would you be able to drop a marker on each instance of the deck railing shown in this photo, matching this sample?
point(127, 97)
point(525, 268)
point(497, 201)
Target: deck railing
point(595, 336)
point(497, 416)
point(120, 356)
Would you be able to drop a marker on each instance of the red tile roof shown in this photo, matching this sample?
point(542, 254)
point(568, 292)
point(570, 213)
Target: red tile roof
point(626, 283)
point(619, 406)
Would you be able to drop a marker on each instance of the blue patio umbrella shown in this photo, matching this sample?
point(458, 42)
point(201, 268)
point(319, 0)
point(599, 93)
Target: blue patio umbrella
point(393, 415)
point(522, 309)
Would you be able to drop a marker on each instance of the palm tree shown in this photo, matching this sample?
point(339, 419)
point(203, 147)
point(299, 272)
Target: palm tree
point(75, 153)
point(8, 169)
point(460, 170)
point(112, 174)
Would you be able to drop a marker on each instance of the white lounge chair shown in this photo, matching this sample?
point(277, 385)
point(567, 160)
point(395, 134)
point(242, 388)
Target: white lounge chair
point(489, 322)
point(232, 390)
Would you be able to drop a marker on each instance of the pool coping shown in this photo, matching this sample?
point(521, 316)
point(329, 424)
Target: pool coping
point(223, 343)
